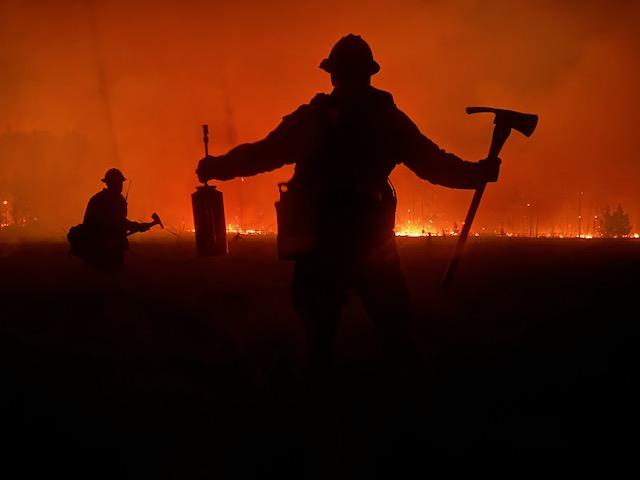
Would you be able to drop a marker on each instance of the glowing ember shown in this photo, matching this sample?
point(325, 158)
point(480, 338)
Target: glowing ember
point(6, 214)
point(237, 229)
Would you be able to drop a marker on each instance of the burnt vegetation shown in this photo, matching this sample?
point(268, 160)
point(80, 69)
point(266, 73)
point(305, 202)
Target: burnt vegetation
point(193, 368)
point(616, 223)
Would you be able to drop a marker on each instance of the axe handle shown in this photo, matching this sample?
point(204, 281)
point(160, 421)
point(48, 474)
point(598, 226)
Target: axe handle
point(455, 258)
point(500, 135)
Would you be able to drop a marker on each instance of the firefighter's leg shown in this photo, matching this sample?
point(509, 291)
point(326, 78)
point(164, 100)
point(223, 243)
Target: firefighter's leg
point(382, 288)
point(318, 296)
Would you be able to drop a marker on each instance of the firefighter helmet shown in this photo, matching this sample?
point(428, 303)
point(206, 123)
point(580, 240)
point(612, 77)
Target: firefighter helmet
point(351, 54)
point(113, 175)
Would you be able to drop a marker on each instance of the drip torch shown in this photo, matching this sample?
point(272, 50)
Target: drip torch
point(208, 215)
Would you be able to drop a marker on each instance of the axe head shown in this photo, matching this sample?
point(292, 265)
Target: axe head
point(525, 123)
point(156, 219)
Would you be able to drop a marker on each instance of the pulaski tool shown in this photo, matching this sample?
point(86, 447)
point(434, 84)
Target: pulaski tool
point(504, 121)
point(208, 215)
point(156, 221)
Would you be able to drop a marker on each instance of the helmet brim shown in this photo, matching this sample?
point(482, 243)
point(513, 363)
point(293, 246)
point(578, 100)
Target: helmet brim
point(122, 179)
point(370, 68)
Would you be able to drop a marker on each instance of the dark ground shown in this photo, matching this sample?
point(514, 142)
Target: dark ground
point(192, 368)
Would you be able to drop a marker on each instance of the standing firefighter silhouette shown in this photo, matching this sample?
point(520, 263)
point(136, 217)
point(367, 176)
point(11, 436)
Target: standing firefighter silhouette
point(337, 214)
point(101, 239)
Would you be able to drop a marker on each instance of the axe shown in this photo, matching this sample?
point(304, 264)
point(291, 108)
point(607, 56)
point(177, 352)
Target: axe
point(156, 221)
point(504, 121)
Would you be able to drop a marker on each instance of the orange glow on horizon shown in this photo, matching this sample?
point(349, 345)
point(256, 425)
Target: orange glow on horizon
point(91, 85)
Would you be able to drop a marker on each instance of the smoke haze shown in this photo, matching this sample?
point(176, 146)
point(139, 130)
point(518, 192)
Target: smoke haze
point(87, 85)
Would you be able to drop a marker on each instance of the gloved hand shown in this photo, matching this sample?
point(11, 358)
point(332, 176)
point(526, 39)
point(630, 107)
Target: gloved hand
point(207, 168)
point(490, 168)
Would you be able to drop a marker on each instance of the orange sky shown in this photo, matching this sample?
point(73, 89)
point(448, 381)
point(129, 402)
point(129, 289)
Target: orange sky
point(88, 85)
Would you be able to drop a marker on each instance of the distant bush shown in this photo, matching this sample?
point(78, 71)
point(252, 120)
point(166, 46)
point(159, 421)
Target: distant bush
point(614, 224)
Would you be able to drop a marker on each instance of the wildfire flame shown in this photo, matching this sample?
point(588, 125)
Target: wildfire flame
point(415, 231)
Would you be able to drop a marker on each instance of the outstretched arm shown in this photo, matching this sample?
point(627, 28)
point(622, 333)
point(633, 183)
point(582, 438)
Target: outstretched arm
point(135, 227)
point(284, 145)
point(432, 163)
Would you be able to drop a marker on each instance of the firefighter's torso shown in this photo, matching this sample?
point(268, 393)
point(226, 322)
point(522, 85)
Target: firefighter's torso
point(352, 145)
point(343, 177)
point(107, 217)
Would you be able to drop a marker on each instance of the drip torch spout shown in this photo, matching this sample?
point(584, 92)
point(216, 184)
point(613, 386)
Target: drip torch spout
point(205, 139)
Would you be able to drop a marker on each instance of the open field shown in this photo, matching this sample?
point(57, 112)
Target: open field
point(192, 368)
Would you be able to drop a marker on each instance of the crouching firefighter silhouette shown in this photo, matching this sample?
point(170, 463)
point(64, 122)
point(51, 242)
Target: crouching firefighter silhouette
point(101, 239)
point(336, 215)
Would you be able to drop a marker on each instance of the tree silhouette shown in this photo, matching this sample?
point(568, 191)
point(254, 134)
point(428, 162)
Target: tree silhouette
point(614, 224)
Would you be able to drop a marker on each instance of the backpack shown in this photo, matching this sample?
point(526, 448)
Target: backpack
point(80, 240)
point(297, 230)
